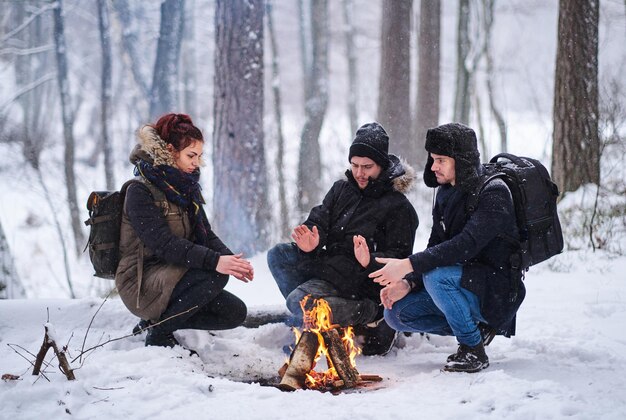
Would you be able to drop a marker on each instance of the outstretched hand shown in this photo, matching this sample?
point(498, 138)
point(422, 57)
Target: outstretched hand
point(236, 266)
point(393, 292)
point(393, 271)
point(307, 240)
point(361, 250)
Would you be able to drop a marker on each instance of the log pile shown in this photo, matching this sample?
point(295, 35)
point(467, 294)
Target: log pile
point(302, 361)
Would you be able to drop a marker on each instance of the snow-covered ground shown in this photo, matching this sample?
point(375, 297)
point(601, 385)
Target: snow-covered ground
point(568, 360)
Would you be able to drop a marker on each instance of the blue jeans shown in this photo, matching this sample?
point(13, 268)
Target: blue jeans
point(285, 261)
point(443, 307)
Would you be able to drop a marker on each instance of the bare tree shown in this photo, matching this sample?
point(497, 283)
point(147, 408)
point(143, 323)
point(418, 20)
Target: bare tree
point(68, 124)
point(488, 20)
point(462, 89)
point(284, 223)
point(351, 54)
point(239, 171)
point(164, 92)
point(428, 73)
point(315, 104)
point(130, 45)
point(394, 87)
point(576, 144)
point(105, 93)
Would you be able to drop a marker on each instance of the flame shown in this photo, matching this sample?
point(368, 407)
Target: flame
point(318, 318)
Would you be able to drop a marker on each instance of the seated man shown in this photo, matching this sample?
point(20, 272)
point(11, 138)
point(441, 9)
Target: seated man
point(463, 283)
point(362, 217)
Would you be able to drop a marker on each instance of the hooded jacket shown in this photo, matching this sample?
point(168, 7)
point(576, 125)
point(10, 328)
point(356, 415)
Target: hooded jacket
point(156, 239)
point(381, 213)
point(475, 240)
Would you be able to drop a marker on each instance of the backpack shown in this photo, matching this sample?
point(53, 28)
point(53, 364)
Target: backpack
point(534, 197)
point(105, 219)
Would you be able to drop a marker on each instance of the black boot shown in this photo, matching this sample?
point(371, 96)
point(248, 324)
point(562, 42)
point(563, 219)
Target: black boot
point(468, 359)
point(487, 334)
point(378, 340)
point(156, 337)
point(141, 326)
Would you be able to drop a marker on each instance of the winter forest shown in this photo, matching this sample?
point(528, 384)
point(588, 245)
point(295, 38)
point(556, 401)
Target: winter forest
point(278, 88)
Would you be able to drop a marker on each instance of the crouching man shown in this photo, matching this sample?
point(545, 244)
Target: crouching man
point(462, 284)
point(363, 216)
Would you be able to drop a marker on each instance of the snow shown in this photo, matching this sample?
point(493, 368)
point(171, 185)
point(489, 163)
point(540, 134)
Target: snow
point(567, 360)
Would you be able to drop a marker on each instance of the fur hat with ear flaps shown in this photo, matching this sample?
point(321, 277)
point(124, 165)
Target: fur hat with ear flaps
point(458, 142)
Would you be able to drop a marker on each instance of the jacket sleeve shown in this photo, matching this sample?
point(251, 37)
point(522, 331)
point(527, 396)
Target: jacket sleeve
point(494, 210)
point(153, 230)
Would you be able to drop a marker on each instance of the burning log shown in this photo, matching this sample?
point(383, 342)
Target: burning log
point(339, 358)
point(301, 362)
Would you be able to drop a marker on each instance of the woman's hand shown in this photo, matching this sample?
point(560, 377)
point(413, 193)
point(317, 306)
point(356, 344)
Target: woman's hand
point(306, 239)
point(393, 271)
point(361, 250)
point(236, 266)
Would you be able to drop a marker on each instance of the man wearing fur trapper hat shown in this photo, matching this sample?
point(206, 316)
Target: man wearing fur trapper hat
point(461, 284)
point(363, 216)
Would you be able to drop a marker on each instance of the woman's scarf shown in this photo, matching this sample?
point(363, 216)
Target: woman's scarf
point(182, 189)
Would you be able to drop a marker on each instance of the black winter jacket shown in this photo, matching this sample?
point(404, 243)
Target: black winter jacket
point(381, 213)
point(477, 241)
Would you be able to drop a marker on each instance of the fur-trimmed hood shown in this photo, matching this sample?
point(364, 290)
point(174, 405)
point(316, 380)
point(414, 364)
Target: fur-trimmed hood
point(400, 175)
point(152, 148)
point(459, 142)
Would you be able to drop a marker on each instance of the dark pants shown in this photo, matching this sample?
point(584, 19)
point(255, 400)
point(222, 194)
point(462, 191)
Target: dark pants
point(285, 263)
point(216, 309)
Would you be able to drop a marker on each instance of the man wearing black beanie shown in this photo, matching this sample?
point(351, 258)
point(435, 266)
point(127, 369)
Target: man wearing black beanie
point(364, 216)
point(461, 284)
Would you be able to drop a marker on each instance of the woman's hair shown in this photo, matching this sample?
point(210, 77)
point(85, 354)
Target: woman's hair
point(178, 130)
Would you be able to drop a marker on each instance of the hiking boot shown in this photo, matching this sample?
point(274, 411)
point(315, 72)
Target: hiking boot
point(486, 332)
point(467, 359)
point(160, 339)
point(378, 340)
point(141, 326)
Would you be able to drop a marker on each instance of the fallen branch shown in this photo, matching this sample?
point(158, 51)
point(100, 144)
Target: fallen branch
point(49, 341)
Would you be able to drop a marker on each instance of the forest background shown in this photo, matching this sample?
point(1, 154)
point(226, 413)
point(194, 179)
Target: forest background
point(278, 89)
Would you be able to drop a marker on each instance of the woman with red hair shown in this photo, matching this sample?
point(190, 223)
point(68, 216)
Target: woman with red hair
point(173, 268)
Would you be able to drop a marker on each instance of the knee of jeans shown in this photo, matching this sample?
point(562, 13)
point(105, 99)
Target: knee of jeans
point(392, 318)
point(293, 301)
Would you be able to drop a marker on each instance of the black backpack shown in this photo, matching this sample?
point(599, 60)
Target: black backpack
point(534, 196)
point(105, 219)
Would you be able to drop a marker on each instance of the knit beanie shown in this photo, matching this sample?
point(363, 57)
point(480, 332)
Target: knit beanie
point(371, 141)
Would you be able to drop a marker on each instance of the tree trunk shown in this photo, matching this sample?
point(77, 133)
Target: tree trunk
point(240, 179)
point(394, 88)
point(130, 45)
point(10, 284)
point(488, 6)
point(68, 124)
point(105, 93)
point(189, 62)
point(462, 95)
point(351, 54)
point(164, 92)
point(428, 74)
point(316, 102)
point(284, 222)
point(576, 144)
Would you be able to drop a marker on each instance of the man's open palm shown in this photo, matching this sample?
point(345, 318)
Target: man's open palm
point(306, 239)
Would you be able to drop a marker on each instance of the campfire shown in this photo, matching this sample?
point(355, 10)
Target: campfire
point(321, 338)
